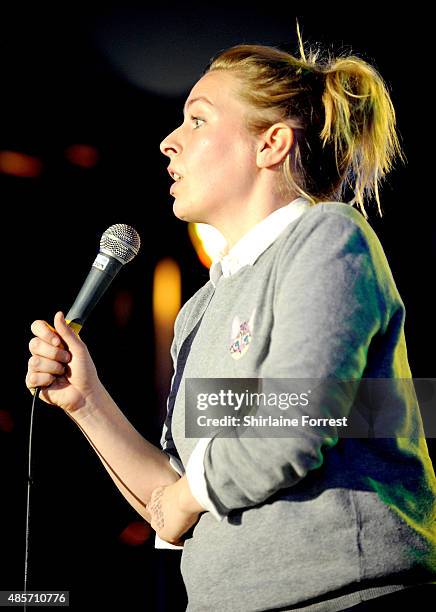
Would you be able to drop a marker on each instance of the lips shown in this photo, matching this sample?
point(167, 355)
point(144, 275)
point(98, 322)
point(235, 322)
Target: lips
point(174, 186)
point(176, 176)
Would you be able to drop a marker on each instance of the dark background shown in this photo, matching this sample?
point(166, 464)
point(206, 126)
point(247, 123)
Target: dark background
point(114, 78)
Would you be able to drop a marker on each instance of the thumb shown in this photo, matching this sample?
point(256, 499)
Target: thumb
point(66, 333)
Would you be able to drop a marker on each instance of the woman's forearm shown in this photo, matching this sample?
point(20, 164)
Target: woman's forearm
point(135, 465)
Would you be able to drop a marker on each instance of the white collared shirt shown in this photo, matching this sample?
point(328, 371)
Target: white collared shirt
point(256, 241)
point(244, 253)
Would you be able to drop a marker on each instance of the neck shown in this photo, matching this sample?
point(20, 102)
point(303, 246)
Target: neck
point(235, 227)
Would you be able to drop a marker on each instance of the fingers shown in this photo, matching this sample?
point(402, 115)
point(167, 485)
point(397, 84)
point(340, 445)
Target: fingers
point(41, 364)
point(48, 356)
point(70, 338)
point(41, 348)
point(42, 372)
point(39, 379)
point(45, 332)
point(51, 342)
point(47, 342)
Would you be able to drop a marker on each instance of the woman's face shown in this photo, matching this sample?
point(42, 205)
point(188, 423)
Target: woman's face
point(212, 152)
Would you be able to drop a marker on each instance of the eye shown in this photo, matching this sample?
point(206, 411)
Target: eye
point(196, 121)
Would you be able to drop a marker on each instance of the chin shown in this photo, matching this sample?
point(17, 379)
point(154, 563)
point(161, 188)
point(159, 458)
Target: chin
point(186, 213)
point(179, 212)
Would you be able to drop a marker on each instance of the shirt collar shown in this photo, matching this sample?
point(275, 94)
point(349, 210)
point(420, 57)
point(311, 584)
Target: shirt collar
point(256, 240)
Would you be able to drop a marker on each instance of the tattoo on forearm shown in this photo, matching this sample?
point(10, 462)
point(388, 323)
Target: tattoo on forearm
point(156, 509)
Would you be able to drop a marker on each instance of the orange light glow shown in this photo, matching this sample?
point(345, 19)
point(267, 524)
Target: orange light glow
point(208, 242)
point(123, 306)
point(166, 304)
point(19, 164)
point(6, 421)
point(166, 293)
point(135, 534)
point(82, 155)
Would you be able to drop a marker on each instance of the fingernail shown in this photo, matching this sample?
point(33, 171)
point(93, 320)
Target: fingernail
point(55, 341)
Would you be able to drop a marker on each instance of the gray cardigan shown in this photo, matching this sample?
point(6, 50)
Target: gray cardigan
point(310, 524)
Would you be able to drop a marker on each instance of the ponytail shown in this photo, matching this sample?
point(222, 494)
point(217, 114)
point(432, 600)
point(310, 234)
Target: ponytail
point(359, 126)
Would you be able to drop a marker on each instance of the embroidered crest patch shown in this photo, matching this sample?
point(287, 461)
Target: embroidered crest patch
point(241, 336)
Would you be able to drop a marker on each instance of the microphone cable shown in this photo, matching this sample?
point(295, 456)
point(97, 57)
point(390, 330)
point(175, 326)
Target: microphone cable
point(29, 484)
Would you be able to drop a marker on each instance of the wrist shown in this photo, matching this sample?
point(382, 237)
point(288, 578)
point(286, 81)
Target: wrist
point(91, 403)
point(187, 502)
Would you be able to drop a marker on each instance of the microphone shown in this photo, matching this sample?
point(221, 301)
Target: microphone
point(119, 244)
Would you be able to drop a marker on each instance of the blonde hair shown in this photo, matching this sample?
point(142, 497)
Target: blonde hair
point(339, 108)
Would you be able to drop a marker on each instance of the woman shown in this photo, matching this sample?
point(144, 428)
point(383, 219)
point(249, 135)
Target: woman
point(267, 148)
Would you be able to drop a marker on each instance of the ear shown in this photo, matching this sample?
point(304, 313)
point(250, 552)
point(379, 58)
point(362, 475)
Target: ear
point(275, 144)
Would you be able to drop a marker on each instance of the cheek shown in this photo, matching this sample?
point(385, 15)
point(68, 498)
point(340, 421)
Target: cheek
point(239, 163)
point(227, 163)
point(211, 151)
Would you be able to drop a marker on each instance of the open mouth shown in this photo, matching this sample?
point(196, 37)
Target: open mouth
point(175, 175)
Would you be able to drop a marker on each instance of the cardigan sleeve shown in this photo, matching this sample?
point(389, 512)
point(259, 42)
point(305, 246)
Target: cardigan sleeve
point(330, 302)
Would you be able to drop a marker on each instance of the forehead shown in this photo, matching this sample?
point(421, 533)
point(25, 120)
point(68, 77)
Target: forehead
point(217, 86)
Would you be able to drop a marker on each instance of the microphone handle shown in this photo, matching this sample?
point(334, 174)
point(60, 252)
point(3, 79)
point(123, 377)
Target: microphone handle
point(103, 270)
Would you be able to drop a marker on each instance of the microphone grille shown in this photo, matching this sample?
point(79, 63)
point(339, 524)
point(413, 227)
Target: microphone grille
point(120, 241)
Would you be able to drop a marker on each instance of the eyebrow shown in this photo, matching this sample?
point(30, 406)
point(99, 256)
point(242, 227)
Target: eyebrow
point(192, 100)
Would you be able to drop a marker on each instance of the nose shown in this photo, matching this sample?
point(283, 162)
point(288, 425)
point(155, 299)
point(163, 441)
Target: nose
point(170, 145)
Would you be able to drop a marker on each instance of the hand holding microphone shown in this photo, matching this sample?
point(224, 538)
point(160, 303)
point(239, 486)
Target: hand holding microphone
point(61, 365)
